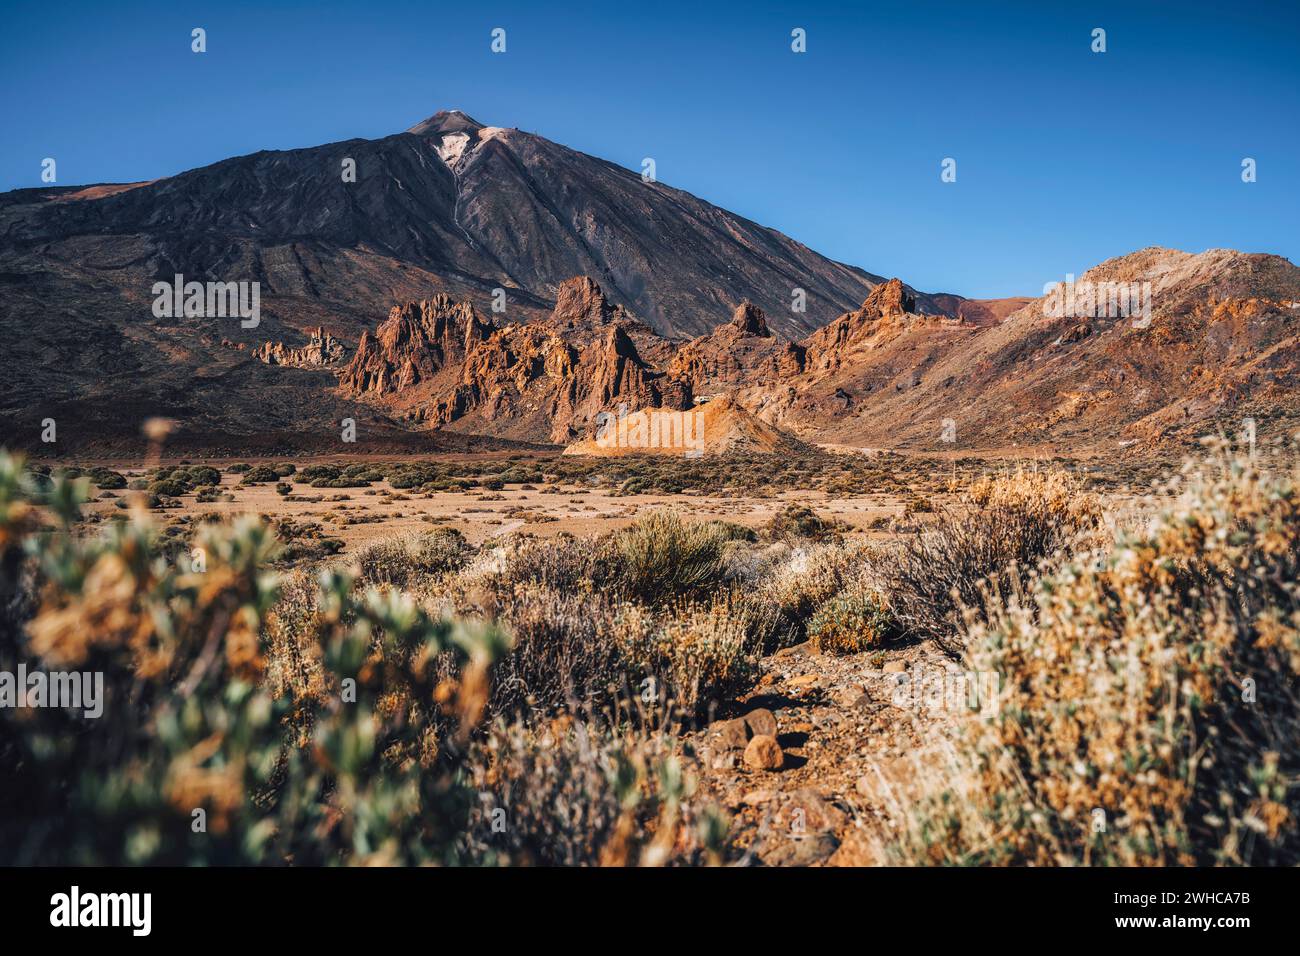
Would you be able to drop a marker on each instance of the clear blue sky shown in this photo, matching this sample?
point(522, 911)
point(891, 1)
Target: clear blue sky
point(1064, 157)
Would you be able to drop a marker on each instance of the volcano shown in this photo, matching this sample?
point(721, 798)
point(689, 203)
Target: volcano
point(334, 235)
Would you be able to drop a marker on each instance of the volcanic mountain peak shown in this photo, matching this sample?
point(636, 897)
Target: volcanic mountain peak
point(454, 135)
point(447, 121)
point(450, 204)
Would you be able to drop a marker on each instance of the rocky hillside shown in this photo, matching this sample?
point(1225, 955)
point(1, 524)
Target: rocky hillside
point(1219, 344)
point(1216, 341)
point(448, 208)
point(441, 363)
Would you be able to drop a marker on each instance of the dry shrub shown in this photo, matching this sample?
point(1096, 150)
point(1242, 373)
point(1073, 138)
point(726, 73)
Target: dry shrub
point(797, 586)
point(315, 723)
point(857, 619)
point(732, 531)
point(291, 636)
point(796, 521)
point(1002, 530)
point(691, 653)
point(562, 651)
point(564, 562)
point(1149, 712)
point(402, 560)
point(577, 793)
point(580, 640)
point(663, 558)
point(556, 600)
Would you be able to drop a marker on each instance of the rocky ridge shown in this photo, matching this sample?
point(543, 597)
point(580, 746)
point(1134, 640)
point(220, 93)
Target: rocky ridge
point(442, 363)
point(1223, 339)
point(321, 350)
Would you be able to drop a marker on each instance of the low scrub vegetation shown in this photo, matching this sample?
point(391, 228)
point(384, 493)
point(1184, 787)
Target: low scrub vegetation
point(530, 701)
point(856, 620)
point(994, 539)
point(398, 561)
point(1149, 707)
point(664, 558)
point(245, 719)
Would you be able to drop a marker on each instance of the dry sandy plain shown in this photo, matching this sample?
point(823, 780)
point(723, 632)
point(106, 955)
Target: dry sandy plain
point(358, 516)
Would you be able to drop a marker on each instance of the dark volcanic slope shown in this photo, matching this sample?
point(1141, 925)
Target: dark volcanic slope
point(449, 206)
point(477, 207)
point(543, 213)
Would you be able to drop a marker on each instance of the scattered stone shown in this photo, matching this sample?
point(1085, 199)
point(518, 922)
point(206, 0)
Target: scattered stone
point(806, 812)
point(852, 851)
point(730, 734)
point(761, 722)
point(764, 753)
point(805, 851)
point(852, 696)
point(724, 761)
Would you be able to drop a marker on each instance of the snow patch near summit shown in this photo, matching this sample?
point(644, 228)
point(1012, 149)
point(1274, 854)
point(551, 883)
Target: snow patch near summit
point(452, 147)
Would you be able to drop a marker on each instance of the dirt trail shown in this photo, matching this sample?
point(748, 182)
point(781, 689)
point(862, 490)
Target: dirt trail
point(843, 723)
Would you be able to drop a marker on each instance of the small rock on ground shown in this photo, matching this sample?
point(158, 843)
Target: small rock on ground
point(764, 753)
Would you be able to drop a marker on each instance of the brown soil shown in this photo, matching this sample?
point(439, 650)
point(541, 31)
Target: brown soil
point(840, 720)
point(358, 516)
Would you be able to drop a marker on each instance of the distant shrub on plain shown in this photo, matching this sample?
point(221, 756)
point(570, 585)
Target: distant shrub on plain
point(258, 475)
point(664, 558)
point(799, 521)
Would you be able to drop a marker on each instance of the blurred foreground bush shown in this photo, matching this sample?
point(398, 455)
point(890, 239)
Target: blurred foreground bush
point(1149, 711)
point(243, 725)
